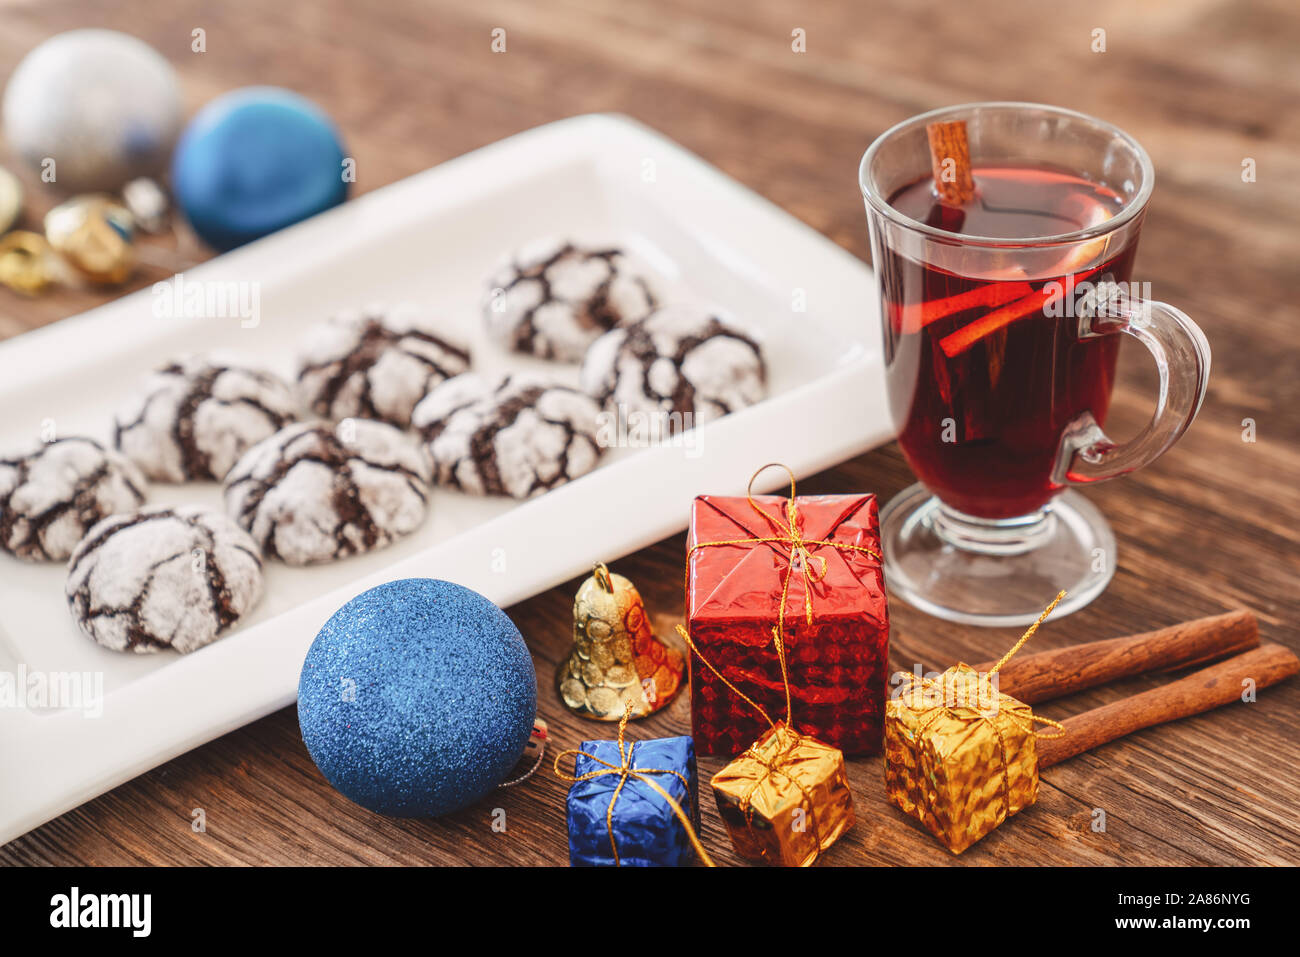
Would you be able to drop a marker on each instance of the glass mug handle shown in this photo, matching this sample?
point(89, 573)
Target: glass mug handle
point(1182, 355)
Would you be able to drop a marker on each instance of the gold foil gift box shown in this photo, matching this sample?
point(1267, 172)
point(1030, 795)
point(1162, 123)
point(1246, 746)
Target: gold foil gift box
point(960, 756)
point(785, 799)
point(959, 759)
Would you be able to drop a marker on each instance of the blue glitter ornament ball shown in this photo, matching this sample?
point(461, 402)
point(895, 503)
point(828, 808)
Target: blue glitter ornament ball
point(417, 698)
point(254, 161)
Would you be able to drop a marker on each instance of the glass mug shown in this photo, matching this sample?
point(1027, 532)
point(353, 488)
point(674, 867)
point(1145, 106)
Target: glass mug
point(1001, 323)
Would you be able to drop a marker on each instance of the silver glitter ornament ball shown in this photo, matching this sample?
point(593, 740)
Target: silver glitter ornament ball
point(103, 106)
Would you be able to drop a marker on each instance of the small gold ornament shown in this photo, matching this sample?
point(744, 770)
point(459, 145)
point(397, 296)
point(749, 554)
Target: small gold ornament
point(26, 262)
point(96, 235)
point(617, 661)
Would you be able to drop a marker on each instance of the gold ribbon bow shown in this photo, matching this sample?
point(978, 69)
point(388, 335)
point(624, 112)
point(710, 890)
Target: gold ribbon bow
point(982, 684)
point(800, 559)
point(624, 770)
point(777, 765)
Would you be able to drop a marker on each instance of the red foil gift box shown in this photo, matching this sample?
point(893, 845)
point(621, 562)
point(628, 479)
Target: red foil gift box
point(741, 557)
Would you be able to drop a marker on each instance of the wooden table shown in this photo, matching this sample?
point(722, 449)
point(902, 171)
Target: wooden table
point(1212, 526)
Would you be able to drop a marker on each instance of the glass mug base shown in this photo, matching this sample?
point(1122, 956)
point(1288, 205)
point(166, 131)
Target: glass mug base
point(995, 573)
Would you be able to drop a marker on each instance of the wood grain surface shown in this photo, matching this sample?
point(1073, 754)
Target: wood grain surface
point(1204, 84)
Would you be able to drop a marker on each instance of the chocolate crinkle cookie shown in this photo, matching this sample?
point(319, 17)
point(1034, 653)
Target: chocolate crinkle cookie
point(681, 363)
point(316, 492)
point(51, 496)
point(376, 364)
point(161, 578)
point(196, 416)
point(553, 298)
point(517, 435)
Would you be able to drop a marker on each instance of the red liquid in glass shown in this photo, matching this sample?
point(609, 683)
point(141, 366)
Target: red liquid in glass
point(985, 375)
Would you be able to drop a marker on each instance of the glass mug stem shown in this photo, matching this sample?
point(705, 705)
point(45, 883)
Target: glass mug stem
point(1182, 357)
point(993, 536)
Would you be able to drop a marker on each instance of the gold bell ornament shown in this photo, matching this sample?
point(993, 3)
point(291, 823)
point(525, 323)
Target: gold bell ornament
point(617, 661)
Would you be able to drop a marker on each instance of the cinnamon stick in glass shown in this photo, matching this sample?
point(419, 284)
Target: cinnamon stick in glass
point(950, 162)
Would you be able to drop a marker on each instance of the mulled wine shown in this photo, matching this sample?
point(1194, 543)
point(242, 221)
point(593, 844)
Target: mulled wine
point(1005, 287)
point(986, 372)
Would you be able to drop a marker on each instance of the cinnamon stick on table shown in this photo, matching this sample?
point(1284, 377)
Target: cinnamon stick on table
point(1208, 688)
point(1054, 674)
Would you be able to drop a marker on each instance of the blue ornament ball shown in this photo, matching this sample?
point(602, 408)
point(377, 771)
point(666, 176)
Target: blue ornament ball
point(254, 161)
point(417, 698)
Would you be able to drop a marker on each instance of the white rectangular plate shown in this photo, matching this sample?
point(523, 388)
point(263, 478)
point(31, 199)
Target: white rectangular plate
point(432, 238)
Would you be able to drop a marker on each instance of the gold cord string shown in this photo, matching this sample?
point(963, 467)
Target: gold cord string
point(949, 683)
point(540, 732)
point(1029, 633)
point(625, 770)
point(686, 637)
point(773, 767)
point(777, 764)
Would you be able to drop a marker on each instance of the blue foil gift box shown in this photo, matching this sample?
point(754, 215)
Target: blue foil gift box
point(618, 813)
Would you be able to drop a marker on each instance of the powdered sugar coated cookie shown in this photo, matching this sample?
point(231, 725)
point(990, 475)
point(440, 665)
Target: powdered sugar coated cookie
point(160, 578)
point(552, 298)
point(376, 364)
point(315, 492)
point(197, 415)
point(517, 435)
point(680, 362)
point(52, 495)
